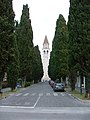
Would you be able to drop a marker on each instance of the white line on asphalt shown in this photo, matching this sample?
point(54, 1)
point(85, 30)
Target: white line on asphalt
point(15, 107)
point(18, 94)
point(55, 94)
point(36, 102)
point(40, 94)
point(62, 94)
point(26, 94)
point(57, 110)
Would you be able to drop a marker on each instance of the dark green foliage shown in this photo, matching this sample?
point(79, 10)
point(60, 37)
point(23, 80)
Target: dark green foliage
point(7, 42)
point(6, 33)
point(79, 37)
point(59, 56)
point(51, 67)
point(13, 67)
point(37, 65)
point(25, 45)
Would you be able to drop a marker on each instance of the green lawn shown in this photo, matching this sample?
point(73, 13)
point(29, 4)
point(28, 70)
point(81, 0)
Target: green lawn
point(4, 95)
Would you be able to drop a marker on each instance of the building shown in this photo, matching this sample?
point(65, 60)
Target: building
point(45, 59)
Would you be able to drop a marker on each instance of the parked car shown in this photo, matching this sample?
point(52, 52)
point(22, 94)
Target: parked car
point(18, 85)
point(58, 87)
point(51, 82)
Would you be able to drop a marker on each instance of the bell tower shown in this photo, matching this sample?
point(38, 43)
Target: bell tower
point(45, 59)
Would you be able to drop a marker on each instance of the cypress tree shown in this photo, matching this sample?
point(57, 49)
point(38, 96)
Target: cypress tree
point(25, 44)
point(6, 35)
point(59, 55)
point(37, 65)
point(79, 38)
point(14, 66)
point(71, 61)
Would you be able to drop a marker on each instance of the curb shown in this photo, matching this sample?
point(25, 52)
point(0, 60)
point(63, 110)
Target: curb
point(84, 101)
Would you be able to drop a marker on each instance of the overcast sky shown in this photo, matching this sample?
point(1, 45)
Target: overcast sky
point(43, 15)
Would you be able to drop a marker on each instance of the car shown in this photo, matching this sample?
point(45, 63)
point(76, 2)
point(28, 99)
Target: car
point(18, 85)
point(51, 82)
point(58, 87)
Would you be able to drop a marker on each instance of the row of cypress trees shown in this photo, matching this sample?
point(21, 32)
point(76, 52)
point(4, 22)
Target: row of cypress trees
point(18, 56)
point(71, 45)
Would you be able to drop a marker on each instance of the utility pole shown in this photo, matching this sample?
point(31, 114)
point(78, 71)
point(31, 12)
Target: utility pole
point(84, 85)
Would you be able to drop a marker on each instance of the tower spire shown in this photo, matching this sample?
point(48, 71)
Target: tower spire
point(45, 43)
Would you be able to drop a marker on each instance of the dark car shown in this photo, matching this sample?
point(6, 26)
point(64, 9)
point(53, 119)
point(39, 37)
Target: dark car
point(58, 87)
point(51, 82)
point(18, 85)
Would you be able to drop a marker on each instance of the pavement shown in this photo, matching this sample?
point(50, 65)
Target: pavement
point(5, 90)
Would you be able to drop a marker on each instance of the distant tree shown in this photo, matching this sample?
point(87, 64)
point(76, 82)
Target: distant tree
point(37, 65)
point(51, 67)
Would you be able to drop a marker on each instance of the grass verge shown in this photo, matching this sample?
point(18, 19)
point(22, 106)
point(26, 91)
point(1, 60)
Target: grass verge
point(77, 94)
point(7, 93)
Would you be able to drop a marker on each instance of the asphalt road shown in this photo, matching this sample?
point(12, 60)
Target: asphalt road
point(40, 102)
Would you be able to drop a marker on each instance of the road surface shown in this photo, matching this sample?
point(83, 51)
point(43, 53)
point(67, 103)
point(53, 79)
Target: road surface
point(40, 102)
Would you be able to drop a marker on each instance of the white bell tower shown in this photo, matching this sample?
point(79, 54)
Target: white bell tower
point(45, 59)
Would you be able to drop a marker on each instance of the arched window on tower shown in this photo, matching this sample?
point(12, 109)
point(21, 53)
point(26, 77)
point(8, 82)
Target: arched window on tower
point(44, 51)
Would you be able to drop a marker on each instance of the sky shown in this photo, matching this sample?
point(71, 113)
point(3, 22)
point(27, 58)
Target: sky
point(43, 15)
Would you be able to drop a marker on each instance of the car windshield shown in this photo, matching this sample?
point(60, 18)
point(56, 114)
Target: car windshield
point(59, 84)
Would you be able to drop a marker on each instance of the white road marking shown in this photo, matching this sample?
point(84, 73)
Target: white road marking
point(57, 110)
point(26, 94)
point(18, 94)
point(40, 94)
point(62, 94)
point(48, 94)
point(55, 94)
point(36, 102)
point(15, 107)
